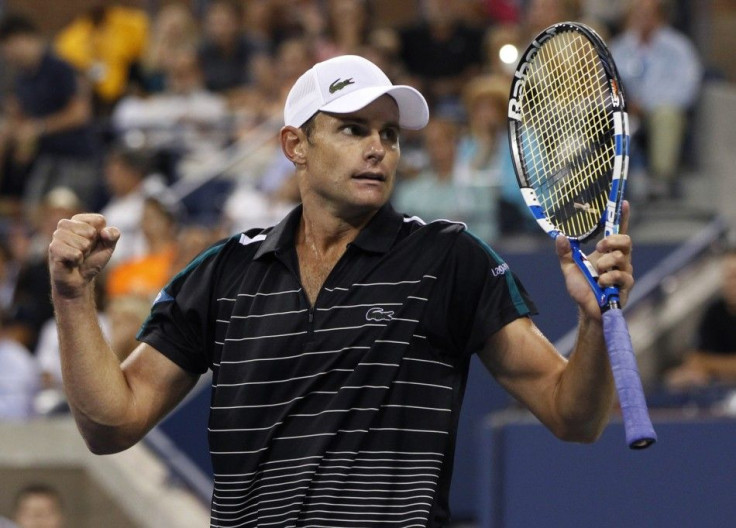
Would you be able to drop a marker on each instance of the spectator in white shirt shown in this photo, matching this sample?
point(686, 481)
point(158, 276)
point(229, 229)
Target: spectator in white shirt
point(662, 72)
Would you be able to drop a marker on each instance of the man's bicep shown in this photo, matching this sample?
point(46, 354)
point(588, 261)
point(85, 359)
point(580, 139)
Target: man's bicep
point(158, 384)
point(526, 364)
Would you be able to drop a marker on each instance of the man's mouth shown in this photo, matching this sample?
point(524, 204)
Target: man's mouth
point(370, 176)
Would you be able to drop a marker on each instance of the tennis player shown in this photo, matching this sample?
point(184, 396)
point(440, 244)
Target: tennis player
point(339, 339)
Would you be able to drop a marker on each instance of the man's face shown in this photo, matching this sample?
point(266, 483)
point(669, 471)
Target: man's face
point(221, 24)
point(39, 511)
point(119, 178)
point(20, 51)
point(351, 159)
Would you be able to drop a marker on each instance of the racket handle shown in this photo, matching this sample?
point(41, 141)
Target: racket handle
point(638, 427)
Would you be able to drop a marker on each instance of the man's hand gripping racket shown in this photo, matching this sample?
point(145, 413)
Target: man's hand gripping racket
point(569, 137)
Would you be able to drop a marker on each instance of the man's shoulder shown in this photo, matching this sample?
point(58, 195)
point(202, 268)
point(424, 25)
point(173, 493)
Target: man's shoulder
point(444, 228)
point(441, 225)
point(446, 236)
point(242, 245)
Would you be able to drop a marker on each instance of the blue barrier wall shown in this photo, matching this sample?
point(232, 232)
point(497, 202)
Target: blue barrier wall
point(686, 480)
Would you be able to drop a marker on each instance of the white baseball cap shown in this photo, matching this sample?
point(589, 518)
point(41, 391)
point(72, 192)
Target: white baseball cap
point(346, 84)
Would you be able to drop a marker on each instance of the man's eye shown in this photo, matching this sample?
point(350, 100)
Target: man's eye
point(353, 130)
point(391, 135)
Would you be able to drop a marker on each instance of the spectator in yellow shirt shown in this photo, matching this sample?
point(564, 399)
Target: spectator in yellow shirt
point(106, 43)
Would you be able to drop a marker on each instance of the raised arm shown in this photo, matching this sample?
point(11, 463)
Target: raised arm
point(572, 398)
point(113, 404)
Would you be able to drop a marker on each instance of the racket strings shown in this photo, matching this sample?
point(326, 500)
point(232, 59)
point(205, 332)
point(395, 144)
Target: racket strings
point(566, 133)
point(571, 65)
point(575, 64)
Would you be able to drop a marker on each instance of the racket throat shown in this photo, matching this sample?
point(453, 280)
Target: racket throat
point(590, 273)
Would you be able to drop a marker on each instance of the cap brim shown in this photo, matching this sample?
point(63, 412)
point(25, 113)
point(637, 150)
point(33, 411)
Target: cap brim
point(413, 109)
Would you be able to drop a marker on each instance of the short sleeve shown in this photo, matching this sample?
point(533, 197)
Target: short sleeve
point(480, 295)
point(179, 325)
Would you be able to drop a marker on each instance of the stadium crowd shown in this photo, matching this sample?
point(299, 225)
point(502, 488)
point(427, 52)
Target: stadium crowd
point(166, 122)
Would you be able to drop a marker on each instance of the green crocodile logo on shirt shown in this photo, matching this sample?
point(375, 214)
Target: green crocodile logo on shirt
point(338, 85)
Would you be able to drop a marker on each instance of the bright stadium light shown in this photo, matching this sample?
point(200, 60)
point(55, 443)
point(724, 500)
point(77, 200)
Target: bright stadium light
point(508, 54)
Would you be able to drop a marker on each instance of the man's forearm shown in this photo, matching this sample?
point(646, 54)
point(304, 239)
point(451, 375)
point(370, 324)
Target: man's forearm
point(96, 389)
point(585, 393)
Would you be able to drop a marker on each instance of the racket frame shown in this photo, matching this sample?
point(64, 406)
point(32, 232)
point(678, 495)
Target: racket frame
point(638, 427)
point(610, 221)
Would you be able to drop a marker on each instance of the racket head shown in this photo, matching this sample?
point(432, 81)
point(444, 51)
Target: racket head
point(568, 132)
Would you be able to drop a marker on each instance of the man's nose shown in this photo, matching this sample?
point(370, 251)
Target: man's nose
point(375, 148)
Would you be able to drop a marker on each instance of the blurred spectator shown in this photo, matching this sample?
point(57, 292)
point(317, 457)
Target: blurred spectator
point(260, 18)
point(107, 42)
point(128, 182)
point(19, 378)
point(193, 239)
point(226, 51)
point(383, 48)
point(503, 11)
point(262, 203)
point(661, 72)
point(498, 49)
point(60, 202)
point(439, 192)
point(31, 299)
point(540, 14)
point(9, 269)
point(126, 315)
point(174, 30)
point(7, 523)
point(49, 118)
point(146, 274)
point(263, 99)
point(442, 52)
point(343, 30)
point(484, 156)
point(38, 506)
point(265, 187)
point(183, 118)
point(608, 13)
point(714, 358)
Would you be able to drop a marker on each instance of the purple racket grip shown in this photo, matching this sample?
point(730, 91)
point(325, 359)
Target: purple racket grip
point(639, 430)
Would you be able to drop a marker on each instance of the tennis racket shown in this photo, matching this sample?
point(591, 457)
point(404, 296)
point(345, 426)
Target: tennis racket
point(569, 137)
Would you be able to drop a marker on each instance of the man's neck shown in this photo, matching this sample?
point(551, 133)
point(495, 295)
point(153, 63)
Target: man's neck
point(321, 240)
point(325, 233)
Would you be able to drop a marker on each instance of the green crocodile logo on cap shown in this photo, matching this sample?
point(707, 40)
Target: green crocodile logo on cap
point(338, 85)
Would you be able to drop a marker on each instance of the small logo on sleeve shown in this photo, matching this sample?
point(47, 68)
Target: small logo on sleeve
point(501, 269)
point(378, 314)
point(338, 85)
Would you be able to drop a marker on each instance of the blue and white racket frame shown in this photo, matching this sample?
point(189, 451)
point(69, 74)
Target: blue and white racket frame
point(639, 430)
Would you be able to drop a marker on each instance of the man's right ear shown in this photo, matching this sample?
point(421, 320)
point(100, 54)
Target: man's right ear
point(293, 144)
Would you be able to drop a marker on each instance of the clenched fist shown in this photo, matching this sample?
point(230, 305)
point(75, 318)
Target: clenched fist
point(80, 248)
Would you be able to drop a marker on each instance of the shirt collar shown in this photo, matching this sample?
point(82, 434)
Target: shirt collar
point(376, 237)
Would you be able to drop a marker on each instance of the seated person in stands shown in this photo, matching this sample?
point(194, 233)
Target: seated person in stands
point(38, 505)
point(714, 358)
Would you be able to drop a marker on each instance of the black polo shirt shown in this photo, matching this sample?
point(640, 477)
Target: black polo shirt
point(344, 413)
